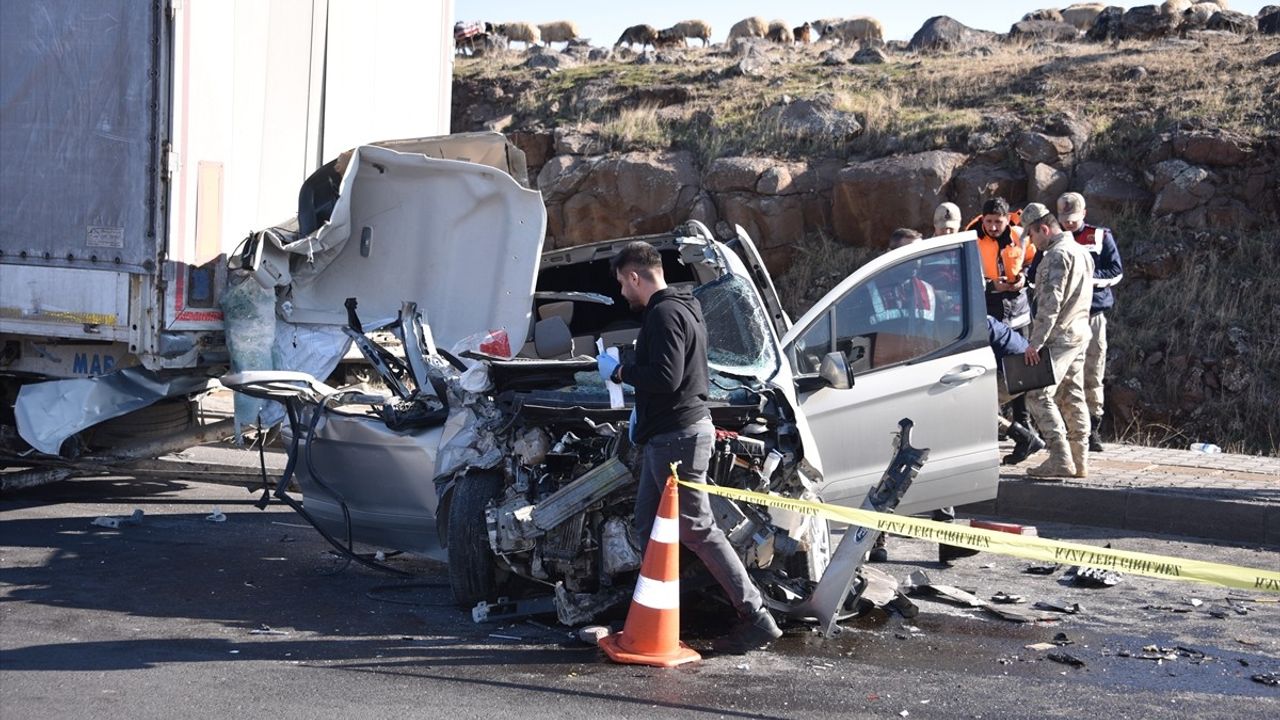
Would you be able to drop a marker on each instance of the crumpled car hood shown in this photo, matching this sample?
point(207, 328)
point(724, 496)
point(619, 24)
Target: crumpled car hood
point(460, 239)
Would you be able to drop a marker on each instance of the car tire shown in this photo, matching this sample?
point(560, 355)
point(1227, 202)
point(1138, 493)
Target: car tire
point(473, 572)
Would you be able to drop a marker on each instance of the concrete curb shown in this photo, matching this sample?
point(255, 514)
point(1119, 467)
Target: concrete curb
point(1191, 514)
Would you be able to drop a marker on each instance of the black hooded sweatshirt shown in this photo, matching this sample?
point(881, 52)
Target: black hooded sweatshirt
point(670, 369)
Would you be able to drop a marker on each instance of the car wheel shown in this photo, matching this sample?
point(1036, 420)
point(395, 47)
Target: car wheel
point(473, 572)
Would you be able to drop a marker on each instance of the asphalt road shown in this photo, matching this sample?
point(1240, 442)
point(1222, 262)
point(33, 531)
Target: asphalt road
point(179, 616)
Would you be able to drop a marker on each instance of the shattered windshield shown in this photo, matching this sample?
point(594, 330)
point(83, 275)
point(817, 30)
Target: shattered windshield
point(738, 340)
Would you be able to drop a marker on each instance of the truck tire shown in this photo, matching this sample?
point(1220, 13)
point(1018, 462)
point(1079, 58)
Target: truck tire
point(473, 572)
point(164, 418)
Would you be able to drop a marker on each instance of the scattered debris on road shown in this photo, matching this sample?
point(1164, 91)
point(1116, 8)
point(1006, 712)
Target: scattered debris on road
point(1092, 577)
point(1059, 606)
point(114, 523)
point(1066, 659)
point(1271, 679)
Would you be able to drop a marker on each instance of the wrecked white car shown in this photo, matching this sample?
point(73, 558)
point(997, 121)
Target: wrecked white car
point(517, 468)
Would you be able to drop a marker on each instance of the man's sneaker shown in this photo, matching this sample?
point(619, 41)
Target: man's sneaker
point(755, 632)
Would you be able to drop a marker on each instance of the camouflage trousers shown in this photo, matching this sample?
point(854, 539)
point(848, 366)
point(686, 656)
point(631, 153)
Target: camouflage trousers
point(1061, 411)
point(1095, 364)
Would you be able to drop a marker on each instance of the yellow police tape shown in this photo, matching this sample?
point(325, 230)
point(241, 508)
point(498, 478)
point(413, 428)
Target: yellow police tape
point(1023, 546)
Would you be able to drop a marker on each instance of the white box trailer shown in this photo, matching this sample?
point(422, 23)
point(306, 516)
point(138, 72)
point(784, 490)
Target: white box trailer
point(142, 140)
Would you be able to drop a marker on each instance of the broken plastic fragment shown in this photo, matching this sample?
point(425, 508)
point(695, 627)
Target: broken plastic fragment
point(1040, 646)
point(1066, 659)
point(1003, 597)
point(1059, 606)
point(1042, 569)
point(216, 516)
point(106, 522)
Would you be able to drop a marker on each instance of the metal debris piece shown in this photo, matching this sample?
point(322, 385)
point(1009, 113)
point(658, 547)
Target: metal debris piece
point(919, 583)
point(1061, 639)
point(1220, 613)
point(1167, 608)
point(115, 522)
point(1237, 607)
point(266, 630)
point(1007, 599)
point(1066, 659)
point(1271, 679)
point(1059, 606)
point(1005, 612)
point(1042, 569)
point(1093, 577)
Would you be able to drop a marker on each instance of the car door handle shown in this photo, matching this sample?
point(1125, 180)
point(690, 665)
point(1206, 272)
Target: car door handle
point(962, 375)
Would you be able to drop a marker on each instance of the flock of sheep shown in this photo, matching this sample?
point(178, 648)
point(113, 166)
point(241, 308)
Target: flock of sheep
point(863, 30)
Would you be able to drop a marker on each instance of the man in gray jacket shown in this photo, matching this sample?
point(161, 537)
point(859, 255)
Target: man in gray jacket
point(1064, 291)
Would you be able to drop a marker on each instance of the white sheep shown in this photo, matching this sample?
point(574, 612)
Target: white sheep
point(1082, 15)
point(780, 32)
point(559, 31)
point(752, 27)
point(699, 29)
point(1197, 16)
point(862, 29)
point(524, 32)
point(1045, 14)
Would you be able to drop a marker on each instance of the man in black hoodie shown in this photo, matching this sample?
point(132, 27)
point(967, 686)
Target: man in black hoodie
point(671, 423)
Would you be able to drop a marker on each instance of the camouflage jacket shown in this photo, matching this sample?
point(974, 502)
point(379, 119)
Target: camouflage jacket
point(1064, 292)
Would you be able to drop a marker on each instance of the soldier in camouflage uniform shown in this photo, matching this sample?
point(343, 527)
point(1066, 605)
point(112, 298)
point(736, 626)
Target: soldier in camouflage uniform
point(1064, 291)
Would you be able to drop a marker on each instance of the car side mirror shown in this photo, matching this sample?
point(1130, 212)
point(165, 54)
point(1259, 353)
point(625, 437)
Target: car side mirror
point(835, 372)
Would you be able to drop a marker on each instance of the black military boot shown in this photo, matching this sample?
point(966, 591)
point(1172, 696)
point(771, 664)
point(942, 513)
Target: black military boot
point(1025, 444)
point(1095, 440)
point(754, 632)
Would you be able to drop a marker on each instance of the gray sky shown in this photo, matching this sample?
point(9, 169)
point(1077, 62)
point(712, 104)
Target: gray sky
point(604, 20)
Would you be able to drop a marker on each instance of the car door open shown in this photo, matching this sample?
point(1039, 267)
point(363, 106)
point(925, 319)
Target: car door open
point(910, 328)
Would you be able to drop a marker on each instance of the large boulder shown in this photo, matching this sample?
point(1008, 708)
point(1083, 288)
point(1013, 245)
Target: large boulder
point(1179, 187)
point(1034, 147)
point(632, 194)
point(872, 198)
point(732, 174)
point(978, 182)
point(816, 119)
point(1269, 24)
point(1218, 149)
point(1146, 22)
point(1232, 21)
point(772, 221)
point(946, 33)
point(1110, 191)
point(1054, 31)
point(1045, 183)
point(1107, 25)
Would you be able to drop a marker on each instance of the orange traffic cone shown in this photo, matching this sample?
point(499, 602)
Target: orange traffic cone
point(652, 633)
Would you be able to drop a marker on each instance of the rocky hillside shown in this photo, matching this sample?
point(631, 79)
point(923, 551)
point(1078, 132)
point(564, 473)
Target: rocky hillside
point(820, 151)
